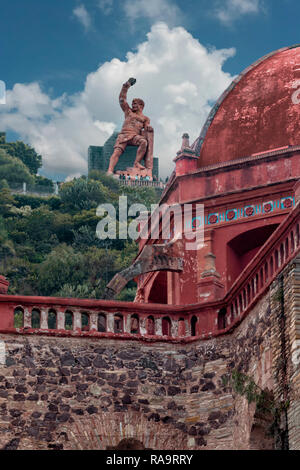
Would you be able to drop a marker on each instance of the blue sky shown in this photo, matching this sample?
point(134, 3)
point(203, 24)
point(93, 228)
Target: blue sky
point(63, 64)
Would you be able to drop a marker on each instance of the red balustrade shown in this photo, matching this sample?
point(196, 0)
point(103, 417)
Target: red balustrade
point(282, 246)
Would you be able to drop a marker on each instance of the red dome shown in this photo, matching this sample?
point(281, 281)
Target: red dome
point(259, 111)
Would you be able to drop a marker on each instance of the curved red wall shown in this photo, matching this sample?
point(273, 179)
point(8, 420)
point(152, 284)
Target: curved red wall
point(261, 112)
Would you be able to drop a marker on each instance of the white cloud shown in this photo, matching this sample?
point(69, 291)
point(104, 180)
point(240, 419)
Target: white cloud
point(154, 10)
point(30, 101)
point(2, 92)
point(71, 177)
point(227, 11)
point(83, 16)
point(106, 6)
point(176, 76)
point(108, 127)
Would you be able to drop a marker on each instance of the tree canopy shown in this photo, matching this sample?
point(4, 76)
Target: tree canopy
point(26, 154)
point(13, 170)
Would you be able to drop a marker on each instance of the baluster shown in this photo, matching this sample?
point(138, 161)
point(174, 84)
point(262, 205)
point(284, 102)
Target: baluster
point(181, 327)
point(44, 319)
point(238, 307)
point(76, 321)
point(280, 256)
point(27, 318)
point(127, 324)
point(93, 321)
point(60, 320)
point(174, 327)
point(232, 315)
point(143, 327)
point(110, 323)
point(187, 327)
point(158, 326)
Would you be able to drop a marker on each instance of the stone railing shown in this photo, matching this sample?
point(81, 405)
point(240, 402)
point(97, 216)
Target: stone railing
point(155, 322)
point(100, 318)
point(36, 190)
point(133, 182)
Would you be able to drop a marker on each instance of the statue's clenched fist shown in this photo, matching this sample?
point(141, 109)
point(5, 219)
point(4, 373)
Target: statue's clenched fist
point(131, 81)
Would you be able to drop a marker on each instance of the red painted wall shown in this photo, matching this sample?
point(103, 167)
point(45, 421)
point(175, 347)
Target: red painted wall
point(232, 187)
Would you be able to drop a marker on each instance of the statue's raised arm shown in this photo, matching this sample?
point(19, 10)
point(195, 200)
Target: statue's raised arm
point(123, 94)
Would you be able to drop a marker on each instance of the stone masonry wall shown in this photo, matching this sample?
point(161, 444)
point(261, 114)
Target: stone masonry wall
point(78, 393)
point(288, 370)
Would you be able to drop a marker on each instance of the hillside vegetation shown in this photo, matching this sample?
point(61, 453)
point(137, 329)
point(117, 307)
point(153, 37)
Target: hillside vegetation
point(48, 245)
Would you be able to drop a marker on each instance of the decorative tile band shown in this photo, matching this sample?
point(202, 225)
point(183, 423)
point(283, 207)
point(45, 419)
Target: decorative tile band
point(244, 212)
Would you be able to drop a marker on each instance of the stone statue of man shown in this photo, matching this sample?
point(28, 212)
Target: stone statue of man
point(136, 131)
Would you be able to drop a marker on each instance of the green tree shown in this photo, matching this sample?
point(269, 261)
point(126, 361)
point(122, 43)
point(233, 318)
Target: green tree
point(140, 195)
point(81, 291)
point(39, 224)
point(26, 154)
point(20, 273)
point(104, 263)
point(127, 294)
point(86, 218)
point(82, 193)
point(7, 202)
point(13, 170)
point(63, 265)
point(34, 201)
point(39, 228)
point(4, 184)
point(109, 181)
point(43, 182)
point(62, 225)
point(6, 246)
